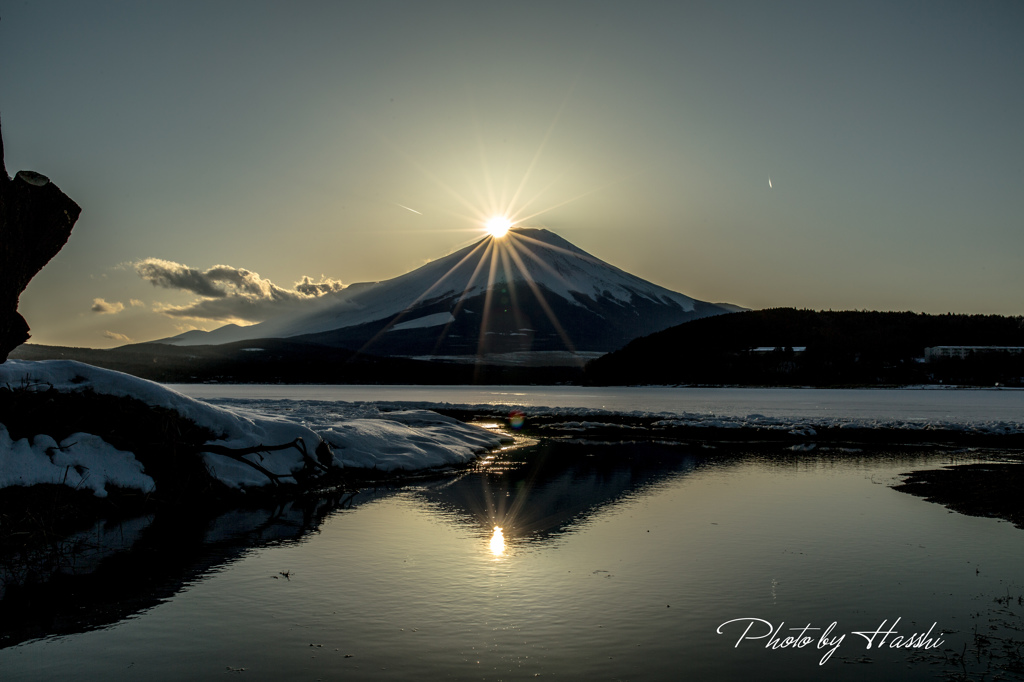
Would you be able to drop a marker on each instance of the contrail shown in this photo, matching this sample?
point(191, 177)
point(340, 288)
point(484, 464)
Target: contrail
point(410, 209)
point(769, 187)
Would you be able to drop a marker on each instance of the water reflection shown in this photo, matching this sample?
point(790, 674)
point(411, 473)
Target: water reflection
point(118, 568)
point(497, 542)
point(555, 487)
point(543, 499)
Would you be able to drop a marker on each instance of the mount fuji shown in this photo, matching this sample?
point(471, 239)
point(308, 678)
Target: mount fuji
point(528, 291)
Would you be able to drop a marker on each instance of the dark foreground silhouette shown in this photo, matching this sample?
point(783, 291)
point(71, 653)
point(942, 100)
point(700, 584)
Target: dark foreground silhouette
point(35, 222)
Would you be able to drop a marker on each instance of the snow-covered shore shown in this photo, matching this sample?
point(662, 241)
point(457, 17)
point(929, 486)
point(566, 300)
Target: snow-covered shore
point(594, 418)
point(386, 436)
point(358, 437)
point(584, 418)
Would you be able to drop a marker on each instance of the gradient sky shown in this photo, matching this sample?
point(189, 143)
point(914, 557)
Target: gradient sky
point(290, 140)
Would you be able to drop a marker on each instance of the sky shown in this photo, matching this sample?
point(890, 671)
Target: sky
point(255, 155)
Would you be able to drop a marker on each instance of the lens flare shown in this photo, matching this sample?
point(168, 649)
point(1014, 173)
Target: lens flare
point(516, 419)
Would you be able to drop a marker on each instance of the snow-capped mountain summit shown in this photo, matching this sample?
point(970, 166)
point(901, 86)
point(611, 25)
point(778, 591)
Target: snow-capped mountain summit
point(530, 290)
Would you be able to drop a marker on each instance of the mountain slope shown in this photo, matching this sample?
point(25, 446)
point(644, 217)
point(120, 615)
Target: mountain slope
point(529, 291)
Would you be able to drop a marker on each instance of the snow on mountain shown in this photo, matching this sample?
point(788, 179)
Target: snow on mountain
point(545, 283)
point(434, 320)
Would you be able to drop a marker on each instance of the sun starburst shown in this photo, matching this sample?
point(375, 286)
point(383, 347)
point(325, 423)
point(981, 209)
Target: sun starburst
point(498, 226)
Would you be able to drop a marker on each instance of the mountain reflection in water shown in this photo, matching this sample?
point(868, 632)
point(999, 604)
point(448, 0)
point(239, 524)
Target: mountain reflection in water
point(556, 486)
point(119, 568)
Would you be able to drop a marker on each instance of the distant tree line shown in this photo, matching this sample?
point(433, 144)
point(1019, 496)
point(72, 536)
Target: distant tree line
point(838, 348)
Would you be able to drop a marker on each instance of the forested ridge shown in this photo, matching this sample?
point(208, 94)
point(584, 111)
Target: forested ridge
point(832, 348)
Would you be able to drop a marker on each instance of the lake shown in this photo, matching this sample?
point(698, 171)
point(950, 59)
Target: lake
point(614, 561)
point(924, 404)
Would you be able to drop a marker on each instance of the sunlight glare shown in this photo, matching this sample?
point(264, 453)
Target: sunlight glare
point(498, 226)
point(497, 542)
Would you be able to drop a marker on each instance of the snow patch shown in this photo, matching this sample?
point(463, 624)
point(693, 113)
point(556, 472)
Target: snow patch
point(435, 320)
point(80, 461)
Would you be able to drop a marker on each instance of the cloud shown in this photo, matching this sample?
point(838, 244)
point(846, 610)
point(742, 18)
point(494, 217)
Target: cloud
point(230, 294)
point(106, 308)
point(326, 285)
point(136, 303)
point(171, 275)
point(117, 337)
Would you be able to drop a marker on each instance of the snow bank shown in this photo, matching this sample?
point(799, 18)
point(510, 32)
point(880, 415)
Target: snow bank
point(81, 461)
point(359, 437)
point(362, 435)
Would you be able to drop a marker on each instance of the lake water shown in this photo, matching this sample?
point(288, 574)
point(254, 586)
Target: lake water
point(615, 562)
point(953, 405)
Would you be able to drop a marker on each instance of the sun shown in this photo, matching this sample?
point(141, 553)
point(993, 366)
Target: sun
point(498, 226)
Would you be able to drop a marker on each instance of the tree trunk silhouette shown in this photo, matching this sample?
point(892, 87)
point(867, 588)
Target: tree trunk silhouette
point(35, 222)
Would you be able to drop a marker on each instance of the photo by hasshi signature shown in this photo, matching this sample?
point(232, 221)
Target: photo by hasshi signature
point(827, 638)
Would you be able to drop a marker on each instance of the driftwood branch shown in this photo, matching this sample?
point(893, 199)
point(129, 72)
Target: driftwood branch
point(298, 444)
point(240, 453)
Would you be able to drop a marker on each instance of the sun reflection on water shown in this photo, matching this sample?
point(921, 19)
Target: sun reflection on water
point(497, 542)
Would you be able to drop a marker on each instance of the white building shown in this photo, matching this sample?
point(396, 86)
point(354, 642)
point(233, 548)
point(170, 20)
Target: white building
point(934, 353)
point(764, 350)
